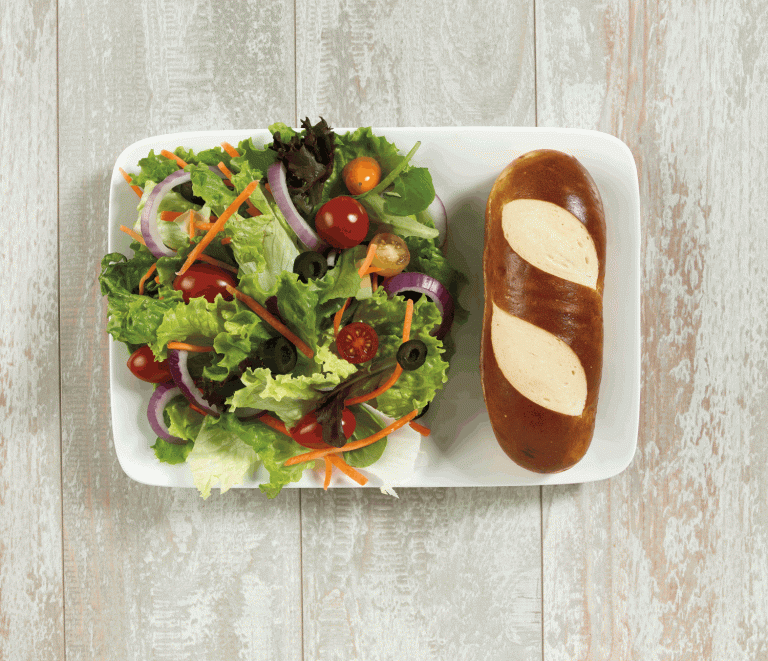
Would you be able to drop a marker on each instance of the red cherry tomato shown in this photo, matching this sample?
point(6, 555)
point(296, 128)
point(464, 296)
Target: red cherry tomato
point(361, 174)
point(342, 221)
point(357, 343)
point(309, 432)
point(204, 280)
point(144, 366)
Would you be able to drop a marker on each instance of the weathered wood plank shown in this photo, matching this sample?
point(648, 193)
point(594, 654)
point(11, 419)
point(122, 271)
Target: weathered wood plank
point(152, 572)
point(439, 573)
point(668, 560)
point(31, 592)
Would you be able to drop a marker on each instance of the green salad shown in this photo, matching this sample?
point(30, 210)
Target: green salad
point(291, 303)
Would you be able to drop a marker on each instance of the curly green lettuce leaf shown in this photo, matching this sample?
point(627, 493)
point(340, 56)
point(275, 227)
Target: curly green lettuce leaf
point(154, 167)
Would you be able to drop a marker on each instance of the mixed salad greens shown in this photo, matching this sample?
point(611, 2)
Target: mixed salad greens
point(291, 302)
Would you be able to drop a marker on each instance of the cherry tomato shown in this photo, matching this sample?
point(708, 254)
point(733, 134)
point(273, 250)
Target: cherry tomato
point(357, 342)
point(144, 366)
point(204, 280)
point(309, 432)
point(392, 254)
point(342, 221)
point(361, 174)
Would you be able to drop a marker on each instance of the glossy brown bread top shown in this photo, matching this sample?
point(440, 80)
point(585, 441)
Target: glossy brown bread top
point(537, 438)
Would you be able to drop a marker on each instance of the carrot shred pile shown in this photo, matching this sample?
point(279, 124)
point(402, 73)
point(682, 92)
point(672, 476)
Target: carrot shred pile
point(217, 226)
point(354, 445)
point(273, 321)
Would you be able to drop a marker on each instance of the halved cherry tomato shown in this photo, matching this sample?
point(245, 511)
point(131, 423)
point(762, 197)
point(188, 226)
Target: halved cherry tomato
point(392, 254)
point(342, 221)
point(361, 174)
point(144, 366)
point(204, 280)
point(357, 342)
point(309, 432)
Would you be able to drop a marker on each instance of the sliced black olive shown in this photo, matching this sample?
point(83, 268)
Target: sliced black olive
point(185, 190)
point(423, 411)
point(310, 265)
point(412, 354)
point(279, 355)
point(412, 295)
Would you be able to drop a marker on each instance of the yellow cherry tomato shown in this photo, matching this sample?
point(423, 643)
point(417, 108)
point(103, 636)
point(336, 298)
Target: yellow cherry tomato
point(392, 254)
point(361, 174)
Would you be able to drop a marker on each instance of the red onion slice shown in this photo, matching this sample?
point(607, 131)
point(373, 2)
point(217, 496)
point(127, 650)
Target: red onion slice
point(276, 175)
point(163, 394)
point(149, 228)
point(177, 364)
point(437, 211)
point(429, 286)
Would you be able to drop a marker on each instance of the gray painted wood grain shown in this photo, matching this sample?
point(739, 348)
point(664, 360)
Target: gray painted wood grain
point(668, 559)
point(153, 573)
point(439, 573)
point(31, 593)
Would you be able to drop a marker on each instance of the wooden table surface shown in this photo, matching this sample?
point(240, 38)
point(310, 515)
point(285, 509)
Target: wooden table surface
point(668, 560)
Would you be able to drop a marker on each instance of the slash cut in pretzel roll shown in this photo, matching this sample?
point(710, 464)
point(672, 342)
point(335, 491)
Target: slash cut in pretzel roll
point(542, 342)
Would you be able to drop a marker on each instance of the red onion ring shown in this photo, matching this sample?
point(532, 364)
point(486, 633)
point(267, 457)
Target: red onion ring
point(177, 364)
point(429, 286)
point(440, 217)
point(276, 175)
point(163, 394)
point(149, 228)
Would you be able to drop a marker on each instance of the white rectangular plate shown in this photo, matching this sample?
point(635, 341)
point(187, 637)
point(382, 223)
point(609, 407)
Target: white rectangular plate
point(462, 450)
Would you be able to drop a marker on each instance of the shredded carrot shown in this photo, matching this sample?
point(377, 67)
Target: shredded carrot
point(337, 317)
point(273, 321)
point(328, 470)
point(217, 226)
point(196, 408)
point(398, 370)
point(194, 348)
point(363, 270)
point(203, 226)
point(424, 431)
point(252, 210)
point(226, 241)
point(191, 226)
point(230, 150)
point(134, 235)
point(345, 468)
point(157, 279)
point(276, 424)
point(408, 320)
point(145, 277)
point(375, 393)
point(268, 188)
point(170, 216)
point(222, 265)
point(354, 445)
point(128, 178)
point(225, 170)
point(181, 163)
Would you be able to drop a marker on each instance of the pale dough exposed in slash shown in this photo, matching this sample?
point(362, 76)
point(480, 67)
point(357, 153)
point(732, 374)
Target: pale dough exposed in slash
point(539, 365)
point(551, 239)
